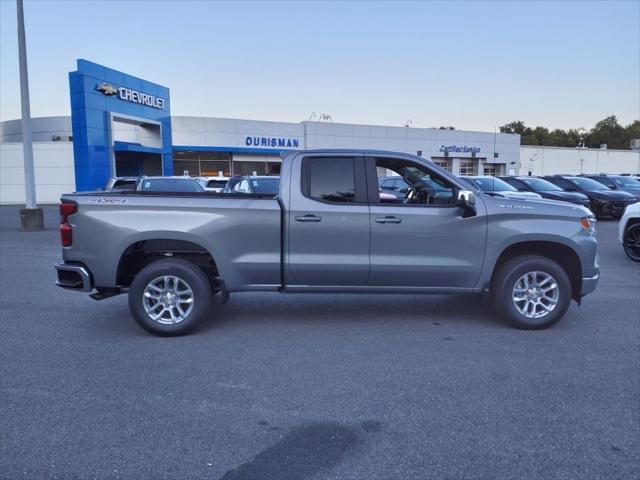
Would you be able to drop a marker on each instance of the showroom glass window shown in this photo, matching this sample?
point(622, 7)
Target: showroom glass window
point(467, 167)
point(493, 169)
point(331, 179)
point(443, 163)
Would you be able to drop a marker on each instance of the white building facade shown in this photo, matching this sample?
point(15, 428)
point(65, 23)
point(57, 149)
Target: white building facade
point(209, 145)
point(537, 161)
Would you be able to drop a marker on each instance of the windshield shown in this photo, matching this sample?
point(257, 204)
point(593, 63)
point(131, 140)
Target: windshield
point(588, 184)
point(626, 182)
point(493, 184)
point(265, 185)
point(540, 185)
point(170, 185)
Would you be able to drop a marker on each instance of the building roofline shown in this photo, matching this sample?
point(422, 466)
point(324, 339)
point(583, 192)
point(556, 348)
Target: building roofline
point(581, 149)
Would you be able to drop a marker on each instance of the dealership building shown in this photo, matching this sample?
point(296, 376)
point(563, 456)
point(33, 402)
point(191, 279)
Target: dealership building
point(122, 125)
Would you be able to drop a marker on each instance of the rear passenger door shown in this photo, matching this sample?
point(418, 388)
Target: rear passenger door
point(329, 230)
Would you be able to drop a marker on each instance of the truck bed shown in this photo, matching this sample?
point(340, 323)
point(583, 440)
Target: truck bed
point(242, 232)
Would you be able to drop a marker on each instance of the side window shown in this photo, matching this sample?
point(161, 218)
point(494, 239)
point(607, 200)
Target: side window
point(330, 179)
point(564, 184)
point(519, 185)
point(387, 184)
point(607, 182)
point(401, 185)
point(415, 184)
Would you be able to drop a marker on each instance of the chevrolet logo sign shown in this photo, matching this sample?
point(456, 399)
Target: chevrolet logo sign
point(106, 88)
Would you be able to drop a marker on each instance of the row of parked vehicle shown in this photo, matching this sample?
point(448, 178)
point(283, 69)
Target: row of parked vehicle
point(267, 185)
point(616, 196)
point(604, 195)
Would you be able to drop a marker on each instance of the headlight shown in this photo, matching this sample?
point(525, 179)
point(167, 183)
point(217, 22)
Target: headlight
point(589, 224)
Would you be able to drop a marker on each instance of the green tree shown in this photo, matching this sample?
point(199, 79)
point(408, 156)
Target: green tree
point(607, 131)
point(515, 127)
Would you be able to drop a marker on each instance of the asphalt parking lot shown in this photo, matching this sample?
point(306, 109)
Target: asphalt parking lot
point(314, 386)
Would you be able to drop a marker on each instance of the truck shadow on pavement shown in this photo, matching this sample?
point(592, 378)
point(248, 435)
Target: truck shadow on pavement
point(354, 308)
point(305, 451)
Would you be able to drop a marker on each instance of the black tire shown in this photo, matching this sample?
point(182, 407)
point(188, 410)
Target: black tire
point(504, 282)
point(631, 242)
point(187, 272)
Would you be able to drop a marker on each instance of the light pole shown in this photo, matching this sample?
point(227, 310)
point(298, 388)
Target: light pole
point(581, 132)
point(31, 215)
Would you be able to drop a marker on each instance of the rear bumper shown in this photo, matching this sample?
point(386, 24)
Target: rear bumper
point(73, 276)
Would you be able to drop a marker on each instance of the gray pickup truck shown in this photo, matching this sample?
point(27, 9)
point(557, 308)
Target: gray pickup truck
point(328, 230)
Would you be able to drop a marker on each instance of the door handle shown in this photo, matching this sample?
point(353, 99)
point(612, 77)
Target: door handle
point(388, 219)
point(308, 218)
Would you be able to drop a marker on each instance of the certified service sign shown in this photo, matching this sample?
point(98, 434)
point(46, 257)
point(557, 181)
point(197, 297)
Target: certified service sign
point(131, 95)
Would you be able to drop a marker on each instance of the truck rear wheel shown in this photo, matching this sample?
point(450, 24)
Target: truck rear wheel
point(170, 297)
point(531, 292)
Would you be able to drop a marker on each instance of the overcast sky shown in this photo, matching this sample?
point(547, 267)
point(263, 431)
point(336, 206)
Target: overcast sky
point(474, 65)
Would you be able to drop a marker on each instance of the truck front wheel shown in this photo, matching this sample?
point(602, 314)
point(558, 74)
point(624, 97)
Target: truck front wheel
point(170, 297)
point(531, 292)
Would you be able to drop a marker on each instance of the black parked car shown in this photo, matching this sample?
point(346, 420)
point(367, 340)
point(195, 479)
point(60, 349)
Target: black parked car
point(546, 189)
point(604, 202)
point(622, 183)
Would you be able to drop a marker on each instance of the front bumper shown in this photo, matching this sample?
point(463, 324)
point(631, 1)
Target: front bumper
point(615, 208)
point(73, 276)
point(589, 284)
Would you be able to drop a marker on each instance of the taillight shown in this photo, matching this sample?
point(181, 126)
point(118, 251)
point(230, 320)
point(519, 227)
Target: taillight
point(66, 232)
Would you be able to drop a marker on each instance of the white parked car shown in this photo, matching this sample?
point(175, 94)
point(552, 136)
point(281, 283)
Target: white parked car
point(629, 231)
point(213, 184)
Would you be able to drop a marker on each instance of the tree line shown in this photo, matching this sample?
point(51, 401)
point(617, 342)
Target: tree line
point(607, 131)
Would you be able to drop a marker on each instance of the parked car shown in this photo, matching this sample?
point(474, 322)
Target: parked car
point(122, 183)
point(603, 202)
point(397, 186)
point(546, 189)
point(394, 185)
point(629, 231)
point(328, 231)
point(495, 186)
point(622, 183)
point(169, 185)
point(231, 183)
point(265, 185)
point(213, 184)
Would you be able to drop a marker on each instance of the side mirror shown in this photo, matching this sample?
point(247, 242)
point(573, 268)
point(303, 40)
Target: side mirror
point(403, 190)
point(466, 198)
point(467, 201)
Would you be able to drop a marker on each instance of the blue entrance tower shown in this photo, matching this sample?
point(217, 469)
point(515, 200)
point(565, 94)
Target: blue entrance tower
point(121, 125)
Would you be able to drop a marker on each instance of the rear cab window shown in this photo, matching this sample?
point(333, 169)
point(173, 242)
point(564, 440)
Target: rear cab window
point(334, 179)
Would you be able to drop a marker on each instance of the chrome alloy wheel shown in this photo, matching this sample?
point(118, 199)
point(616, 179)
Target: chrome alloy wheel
point(167, 300)
point(632, 243)
point(536, 294)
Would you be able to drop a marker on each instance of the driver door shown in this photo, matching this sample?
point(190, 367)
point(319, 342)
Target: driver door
point(422, 244)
